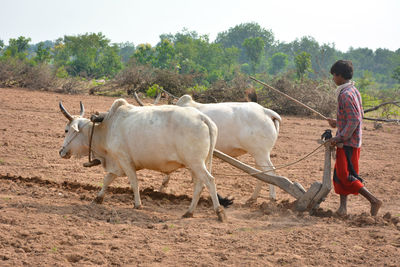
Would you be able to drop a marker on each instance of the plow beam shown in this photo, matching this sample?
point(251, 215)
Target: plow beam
point(294, 189)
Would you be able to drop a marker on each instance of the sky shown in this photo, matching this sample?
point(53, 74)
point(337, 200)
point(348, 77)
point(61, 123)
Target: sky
point(344, 23)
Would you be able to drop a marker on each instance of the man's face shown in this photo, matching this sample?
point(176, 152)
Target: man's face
point(338, 79)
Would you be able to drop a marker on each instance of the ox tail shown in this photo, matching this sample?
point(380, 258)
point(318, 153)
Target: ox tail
point(277, 120)
point(212, 129)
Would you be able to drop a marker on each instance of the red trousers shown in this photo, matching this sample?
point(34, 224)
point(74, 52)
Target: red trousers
point(345, 176)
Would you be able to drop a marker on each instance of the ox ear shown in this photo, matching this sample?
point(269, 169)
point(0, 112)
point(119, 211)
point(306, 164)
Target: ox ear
point(75, 125)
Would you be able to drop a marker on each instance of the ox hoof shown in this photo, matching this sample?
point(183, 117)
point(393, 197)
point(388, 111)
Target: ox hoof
point(137, 207)
point(98, 200)
point(221, 214)
point(188, 215)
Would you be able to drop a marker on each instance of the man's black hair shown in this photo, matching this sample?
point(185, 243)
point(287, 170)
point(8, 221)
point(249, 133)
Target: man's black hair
point(343, 68)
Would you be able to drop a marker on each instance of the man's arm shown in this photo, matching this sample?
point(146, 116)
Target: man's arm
point(353, 118)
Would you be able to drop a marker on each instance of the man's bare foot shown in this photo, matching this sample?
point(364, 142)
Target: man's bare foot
point(375, 206)
point(341, 212)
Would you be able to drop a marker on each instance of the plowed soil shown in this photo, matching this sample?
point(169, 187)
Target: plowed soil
point(47, 217)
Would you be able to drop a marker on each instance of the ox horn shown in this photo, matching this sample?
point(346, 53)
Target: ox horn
point(140, 101)
point(82, 109)
point(65, 112)
point(137, 98)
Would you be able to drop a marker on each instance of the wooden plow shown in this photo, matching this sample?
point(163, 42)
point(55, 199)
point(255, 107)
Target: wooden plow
point(306, 200)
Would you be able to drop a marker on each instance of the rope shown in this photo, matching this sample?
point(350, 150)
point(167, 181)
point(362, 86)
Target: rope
point(90, 142)
point(91, 162)
point(291, 98)
point(279, 167)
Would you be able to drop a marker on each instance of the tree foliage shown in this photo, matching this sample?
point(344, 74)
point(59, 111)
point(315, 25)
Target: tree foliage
point(189, 59)
point(396, 74)
point(17, 48)
point(254, 48)
point(278, 62)
point(164, 55)
point(235, 37)
point(144, 54)
point(87, 55)
point(303, 64)
point(126, 50)
point(42, 53)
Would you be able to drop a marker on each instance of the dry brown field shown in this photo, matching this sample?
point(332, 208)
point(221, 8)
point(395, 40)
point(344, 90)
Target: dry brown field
point(47, 217)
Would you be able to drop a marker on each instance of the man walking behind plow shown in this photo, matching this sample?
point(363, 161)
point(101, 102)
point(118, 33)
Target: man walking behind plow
point(348, 139)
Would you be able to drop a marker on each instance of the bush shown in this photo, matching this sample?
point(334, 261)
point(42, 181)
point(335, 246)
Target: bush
point(224, 91)
point(21, 73)
point(61, 72)
point(135, 78)
point(173, 82)
point(153, 90)
point(40, 77)
point(71, 85)
point(319, 95)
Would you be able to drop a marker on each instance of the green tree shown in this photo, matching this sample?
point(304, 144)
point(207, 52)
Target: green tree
point(188, 48)
point(384, 61)
point(396, 74)
point(229, 61)
point(362, 58)
point(365, 81)
point(324, 59)
point(164, 55)
point(42, 53)
point(254, 48)
point(303, 64)
point(144, 54)
point(278, 62)
point(109, 61)
point(88, 55)
point(18, 47)
point(245, 68)
point(1, 47)
point(60, 53)
point(195, 55)
point(235, 37)
point(126, 51)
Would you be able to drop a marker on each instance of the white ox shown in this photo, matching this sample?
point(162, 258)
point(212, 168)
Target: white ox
point(243, 127)
point(161, 138)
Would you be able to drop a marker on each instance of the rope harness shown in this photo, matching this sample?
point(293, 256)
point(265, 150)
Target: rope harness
point(91, 162)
